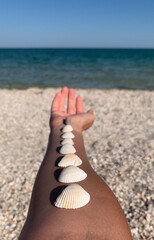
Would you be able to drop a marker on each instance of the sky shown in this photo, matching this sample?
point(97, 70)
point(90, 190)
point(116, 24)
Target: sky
point(77, 23)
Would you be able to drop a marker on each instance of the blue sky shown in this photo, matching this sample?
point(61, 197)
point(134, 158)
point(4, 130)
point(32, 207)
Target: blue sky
point(77, 23)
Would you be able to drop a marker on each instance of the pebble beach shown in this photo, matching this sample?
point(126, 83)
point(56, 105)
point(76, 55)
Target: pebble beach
point(119, 145)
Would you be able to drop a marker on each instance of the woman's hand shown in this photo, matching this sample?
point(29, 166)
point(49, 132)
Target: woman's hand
point(79, 120)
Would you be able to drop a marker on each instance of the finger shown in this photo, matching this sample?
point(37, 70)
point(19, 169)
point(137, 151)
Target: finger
point(79, 104)
point(71, 101)
point(89, 119)
point(91, 111)
point(63, 97)
point(56, 102)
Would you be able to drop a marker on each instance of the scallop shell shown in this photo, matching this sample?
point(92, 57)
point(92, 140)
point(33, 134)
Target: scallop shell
point(67, 140)
point(72, 174)
point(67, 121)
point(69, 160)
point(68, 135)
point(72, 197)
point(67, 128)
point(67, 148)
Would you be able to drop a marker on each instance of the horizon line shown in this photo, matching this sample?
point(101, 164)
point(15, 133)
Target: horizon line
point(76, 47)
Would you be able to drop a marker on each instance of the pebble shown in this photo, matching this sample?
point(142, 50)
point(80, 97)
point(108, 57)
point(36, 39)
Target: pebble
point(119, 146)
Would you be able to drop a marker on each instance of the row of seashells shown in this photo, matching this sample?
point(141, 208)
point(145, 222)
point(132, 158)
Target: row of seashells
point(73, 196)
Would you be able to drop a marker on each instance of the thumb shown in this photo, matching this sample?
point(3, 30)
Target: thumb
point(89, 119)
point(91, 112)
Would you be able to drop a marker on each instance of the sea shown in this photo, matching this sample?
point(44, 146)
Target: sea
point(78, 68)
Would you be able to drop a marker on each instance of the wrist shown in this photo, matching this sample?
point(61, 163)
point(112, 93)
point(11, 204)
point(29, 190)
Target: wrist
point(58, 123)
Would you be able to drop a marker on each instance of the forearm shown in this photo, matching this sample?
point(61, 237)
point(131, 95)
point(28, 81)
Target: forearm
point(103, 205)
point(46, 182)
point(47, 177)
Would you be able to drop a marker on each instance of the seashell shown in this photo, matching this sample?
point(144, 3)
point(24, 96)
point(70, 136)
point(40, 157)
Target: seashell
point(72, 197)
point(69, 160)
point(67, 140)
point(67, 121)
point(67, 148)
point(72, 174)
point(68, 135)
point(67, 128)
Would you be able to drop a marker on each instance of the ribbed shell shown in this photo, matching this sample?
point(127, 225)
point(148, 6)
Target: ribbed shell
point(72, 197)
point(67, 128)
point(72, 174)
point(68, 135)
point(67, 149)
point(70, 160)
point(67, 140)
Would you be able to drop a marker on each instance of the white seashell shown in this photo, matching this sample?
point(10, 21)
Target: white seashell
point(67, 148)
point(67, 121)
point(69, 160)
point(72, 174)
point(73, 196)
point(68, 135)
point(67, 140)
point(67, 128)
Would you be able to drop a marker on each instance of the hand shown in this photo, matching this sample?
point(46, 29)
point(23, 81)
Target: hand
point(79, 120)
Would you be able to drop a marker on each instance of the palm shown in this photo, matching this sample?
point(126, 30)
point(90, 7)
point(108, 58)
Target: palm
point(74, 110)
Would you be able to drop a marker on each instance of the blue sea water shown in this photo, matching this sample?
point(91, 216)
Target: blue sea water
point(80, 68)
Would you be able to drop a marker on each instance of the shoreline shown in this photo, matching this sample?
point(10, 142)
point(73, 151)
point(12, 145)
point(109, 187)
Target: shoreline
point(119, 146)
point(76, 88)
